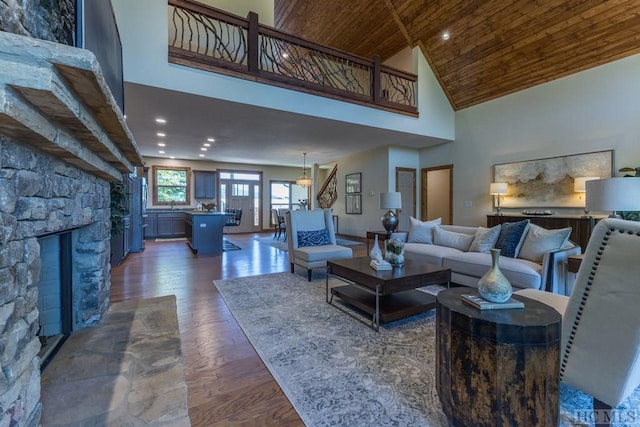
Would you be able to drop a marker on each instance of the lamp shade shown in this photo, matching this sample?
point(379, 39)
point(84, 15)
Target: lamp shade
point(613, 194)
point(579, 183)
point(391, 200)
point(498, 188)
point(304, 181)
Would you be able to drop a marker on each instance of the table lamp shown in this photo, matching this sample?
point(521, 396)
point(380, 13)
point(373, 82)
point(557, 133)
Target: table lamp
point(579, 186)
point(390, 200)
point(613, 194)
point(498, 189)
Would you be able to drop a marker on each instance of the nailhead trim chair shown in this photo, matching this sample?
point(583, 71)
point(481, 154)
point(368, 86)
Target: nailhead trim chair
point(600, 353)
point(311, 257)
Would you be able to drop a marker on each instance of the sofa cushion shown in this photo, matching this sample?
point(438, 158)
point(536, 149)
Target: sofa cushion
point(485, 239)
point(422, 232)
point(521, 273)
point(451, 239)
point(428, 254)
point(540, 240)
point(511, 236)
point(313, 238)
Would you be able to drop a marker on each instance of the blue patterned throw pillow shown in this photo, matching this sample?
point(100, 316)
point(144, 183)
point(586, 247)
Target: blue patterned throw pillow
point(511, 237)
point(313, 238)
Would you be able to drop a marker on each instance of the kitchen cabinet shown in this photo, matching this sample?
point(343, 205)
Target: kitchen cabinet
point(151, 226)
point(171, 224)
point(164, 224)
point(204, 184)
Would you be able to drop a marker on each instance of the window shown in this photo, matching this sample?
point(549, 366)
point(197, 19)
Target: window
point(171, 185)
point(287, 195)
point(239, 189)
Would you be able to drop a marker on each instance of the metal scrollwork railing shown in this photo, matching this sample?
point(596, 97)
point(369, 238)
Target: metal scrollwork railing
point(207, 38)
point(397, 88)
point(211, 37)
point(328, 194)
point(288, 59)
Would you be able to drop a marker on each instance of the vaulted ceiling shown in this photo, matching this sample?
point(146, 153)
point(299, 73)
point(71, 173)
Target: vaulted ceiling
point(495, 47)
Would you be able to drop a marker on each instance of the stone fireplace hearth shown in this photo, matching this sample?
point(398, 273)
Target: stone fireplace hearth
point(62, 140)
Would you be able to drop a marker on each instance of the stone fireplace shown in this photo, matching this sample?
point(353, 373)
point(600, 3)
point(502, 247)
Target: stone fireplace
point(62, 141)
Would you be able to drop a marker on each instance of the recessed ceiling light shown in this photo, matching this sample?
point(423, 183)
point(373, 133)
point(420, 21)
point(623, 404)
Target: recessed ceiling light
point(203, 148)
point(445, 36)
point(171, 157)
point(160, 151)
point(285, 55)
point(201, 155)
point(161, 144)
point(211, 140)
point(161, 134)
point(207, 144)
point(160, 120)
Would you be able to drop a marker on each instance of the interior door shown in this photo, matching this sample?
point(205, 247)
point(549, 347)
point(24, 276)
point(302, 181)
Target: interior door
point(437, 187)
point(406, 185)
point(244, 195)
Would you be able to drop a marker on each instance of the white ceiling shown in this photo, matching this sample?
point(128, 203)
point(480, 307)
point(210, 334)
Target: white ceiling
point(245, 133)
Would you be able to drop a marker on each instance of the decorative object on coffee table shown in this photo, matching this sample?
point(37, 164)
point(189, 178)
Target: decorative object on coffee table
point(376, 253)
point(394, 252)
point(493, 286)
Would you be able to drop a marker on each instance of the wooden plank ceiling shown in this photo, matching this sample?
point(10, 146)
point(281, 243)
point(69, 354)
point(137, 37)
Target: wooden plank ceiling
point(496, 47)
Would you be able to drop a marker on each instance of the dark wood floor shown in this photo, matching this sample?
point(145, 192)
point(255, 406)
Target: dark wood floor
point(227, 382)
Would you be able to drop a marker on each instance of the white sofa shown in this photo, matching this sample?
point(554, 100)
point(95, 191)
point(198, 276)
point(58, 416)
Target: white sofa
point(467, 267)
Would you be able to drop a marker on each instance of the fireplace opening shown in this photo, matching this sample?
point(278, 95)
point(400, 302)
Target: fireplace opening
point(54, 293)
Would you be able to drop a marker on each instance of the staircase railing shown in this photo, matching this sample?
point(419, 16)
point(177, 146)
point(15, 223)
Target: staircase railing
point(211, 39)
point(328, 193)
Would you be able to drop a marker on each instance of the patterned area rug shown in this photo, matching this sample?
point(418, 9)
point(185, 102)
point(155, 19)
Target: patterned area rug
point(282, 245)
point(336, 371)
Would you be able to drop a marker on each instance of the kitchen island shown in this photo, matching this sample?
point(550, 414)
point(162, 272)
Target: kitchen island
point(204, 231)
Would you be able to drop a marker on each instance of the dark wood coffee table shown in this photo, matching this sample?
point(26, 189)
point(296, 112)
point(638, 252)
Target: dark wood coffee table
point(385, 295)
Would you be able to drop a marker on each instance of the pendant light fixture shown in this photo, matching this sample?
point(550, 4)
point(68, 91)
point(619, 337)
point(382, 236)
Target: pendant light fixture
point(304, 180)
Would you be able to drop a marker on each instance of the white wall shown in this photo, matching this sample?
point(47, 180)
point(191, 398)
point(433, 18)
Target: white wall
point(403, 60)
point(597, 109)
point(145, 53)
point(373, 165)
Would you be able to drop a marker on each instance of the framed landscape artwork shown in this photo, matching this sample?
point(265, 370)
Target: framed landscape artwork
point(546, 183)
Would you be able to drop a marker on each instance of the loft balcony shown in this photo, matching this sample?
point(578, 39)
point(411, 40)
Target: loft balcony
point(210, 39)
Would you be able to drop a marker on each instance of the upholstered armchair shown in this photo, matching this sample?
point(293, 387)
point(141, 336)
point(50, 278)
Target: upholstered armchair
point(312, 239)
point(600, 352)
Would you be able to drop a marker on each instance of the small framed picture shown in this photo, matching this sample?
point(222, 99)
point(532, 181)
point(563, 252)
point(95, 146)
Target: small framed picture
point(354, 183)
point(354, 203)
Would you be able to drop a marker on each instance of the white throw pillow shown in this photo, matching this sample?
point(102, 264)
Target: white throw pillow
point(450, 239)
point(422, 232)
point(540, 240)
point(485, 239)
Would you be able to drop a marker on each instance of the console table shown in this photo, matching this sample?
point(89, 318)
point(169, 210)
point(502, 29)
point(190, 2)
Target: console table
point(497, 367)
point(581, 226)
